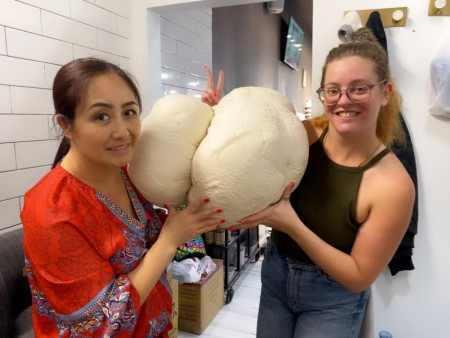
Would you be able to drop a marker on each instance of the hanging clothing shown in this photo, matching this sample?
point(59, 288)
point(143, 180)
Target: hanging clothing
point(376, 26)
point(79, 248)
point(402, 259)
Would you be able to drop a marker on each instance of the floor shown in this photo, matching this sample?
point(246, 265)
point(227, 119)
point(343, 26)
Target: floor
point(238, 318)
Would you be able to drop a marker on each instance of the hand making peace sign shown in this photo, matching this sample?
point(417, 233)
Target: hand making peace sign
point(210, 96)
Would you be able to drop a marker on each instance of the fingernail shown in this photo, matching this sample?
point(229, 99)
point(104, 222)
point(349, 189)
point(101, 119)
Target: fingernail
point(242, 222)
point(217, 226)
point(206, 200)
point(231, 229)
point(222, 221)
point(215, 94)
point(219, 210)
point(165, 206)
point(292, 185)
point(206, 67)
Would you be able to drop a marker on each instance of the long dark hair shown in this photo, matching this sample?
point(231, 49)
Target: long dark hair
point(70, 86)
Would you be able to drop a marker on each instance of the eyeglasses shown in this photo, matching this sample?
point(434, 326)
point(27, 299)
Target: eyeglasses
point(356, 94)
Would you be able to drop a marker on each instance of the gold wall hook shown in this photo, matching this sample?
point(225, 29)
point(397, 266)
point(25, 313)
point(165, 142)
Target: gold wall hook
point(439, 8)
point(387, 16)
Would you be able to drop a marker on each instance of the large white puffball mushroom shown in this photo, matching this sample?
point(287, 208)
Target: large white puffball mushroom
point(170, 136)
point(255, 146)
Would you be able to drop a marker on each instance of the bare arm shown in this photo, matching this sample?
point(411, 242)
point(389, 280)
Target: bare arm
point(389, 205)
point(178, 229)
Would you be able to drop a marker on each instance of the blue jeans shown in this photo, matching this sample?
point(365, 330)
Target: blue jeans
point(300, 300)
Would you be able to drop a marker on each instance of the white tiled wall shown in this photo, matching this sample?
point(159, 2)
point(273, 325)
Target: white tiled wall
point(186, 47)
point(37, 37)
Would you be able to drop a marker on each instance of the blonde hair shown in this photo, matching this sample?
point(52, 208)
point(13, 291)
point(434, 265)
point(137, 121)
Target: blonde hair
point(389, 127)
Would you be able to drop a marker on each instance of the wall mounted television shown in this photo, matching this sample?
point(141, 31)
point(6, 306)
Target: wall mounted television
point(293, 46)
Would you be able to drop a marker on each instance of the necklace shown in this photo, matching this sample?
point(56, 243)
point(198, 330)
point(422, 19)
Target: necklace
point(367, 158)
point(371, 154)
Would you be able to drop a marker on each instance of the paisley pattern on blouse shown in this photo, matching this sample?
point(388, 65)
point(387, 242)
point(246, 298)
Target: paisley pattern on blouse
point(79, 248)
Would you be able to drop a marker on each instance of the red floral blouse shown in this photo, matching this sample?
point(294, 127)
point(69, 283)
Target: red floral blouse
point(79, 247)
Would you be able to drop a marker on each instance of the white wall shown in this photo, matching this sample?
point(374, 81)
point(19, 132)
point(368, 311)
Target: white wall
point(417, 303)
point(145, 39)
point(36, 38)
point(186, 47)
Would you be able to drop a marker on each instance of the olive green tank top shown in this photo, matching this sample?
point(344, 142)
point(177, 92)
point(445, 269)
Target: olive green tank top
point(325, 201)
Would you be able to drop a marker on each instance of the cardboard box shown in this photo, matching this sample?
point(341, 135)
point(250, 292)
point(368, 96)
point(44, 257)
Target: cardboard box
point(174, 332)
point(199, 303)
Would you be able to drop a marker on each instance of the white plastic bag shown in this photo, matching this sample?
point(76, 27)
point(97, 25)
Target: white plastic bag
point(440, 81)
point(191, 270)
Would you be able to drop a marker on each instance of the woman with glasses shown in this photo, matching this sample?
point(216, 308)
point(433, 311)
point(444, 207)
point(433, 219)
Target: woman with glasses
point(340, 227)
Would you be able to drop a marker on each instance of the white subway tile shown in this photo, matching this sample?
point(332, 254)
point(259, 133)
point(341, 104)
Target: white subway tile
point(36, 47)
point(34, 154)
point(56, 6)
point(194, 93)
point(21, 199)
point(201, 17)
point(7, 156)
point(189, 81)
point(189, 52)
point(173, 30)
point(114, 44)
point(195, 41)
point(116, 6)
point(179, 18)
point(169, 77)
point(16, 183)
point(2, 40)
point(124, 63)
point(201, 30)
point(5, 100)
point(201, 83)
point(168, 44)
point(22, 16)
point(93, 15)
point(50, 73)
point(65, 29)
point(9, 213)
point(31, 101)
point(174, 62)
point(173, 90)
point(14, 128)
point(83, 52)
point(196, 68)
point(20, 72)
point(123, 26)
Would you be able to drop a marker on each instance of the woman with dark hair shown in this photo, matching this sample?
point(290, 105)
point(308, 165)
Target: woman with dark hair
point(341, 226)
point(96, 250)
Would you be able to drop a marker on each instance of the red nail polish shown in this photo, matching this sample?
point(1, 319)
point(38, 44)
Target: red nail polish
point(206, 200)
point(292, 185)
point(217, 226)
point(206, 67)
point(165, 206)
point(231, 229)
point(215, 94)
point(222, 221)
point(219, 210)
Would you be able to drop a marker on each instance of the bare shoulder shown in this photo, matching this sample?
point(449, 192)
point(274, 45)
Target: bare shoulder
point(388, 180)
point(312, 130)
